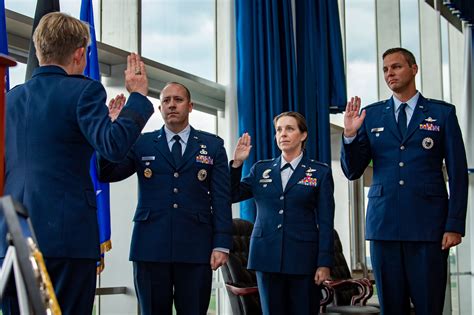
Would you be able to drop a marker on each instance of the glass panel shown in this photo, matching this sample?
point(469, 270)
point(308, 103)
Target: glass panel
point(454, 280)
point(361, 50)
point(17, 74)
point(181, 34)
point(25, 7)
point(410, 30)
point(445, 59)
point(71, 7)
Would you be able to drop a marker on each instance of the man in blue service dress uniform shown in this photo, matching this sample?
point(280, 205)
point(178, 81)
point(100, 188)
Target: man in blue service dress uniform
point(183, 221)
point(54, 122)
point(411, 220)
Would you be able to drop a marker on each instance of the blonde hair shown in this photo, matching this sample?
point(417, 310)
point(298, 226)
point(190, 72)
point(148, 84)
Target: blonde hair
point(57, 36)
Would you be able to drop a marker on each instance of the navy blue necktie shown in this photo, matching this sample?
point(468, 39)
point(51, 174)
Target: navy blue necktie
point(176, 149)
point(287, 165)
point(402, 119)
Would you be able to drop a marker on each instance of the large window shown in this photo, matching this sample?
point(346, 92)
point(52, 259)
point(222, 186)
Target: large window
point(181, 34)
point(410, 30)
point(361, 50)
point(71, 7)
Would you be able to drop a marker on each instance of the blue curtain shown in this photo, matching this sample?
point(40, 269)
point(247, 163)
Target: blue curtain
point(321, 77)
point(270, 81)
point(266, 75)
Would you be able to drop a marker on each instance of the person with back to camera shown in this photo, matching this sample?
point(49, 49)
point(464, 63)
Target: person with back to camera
point(54, 122)
point(291, 247)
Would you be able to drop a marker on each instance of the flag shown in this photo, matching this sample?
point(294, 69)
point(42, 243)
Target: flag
point(102, 190)
point(43, 7)
point(3, 40)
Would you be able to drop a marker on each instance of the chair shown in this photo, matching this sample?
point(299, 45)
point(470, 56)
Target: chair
point(241, 283)
point(344, 294)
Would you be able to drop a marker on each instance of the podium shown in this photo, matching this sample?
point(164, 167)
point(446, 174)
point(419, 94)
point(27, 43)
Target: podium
point(5, 62)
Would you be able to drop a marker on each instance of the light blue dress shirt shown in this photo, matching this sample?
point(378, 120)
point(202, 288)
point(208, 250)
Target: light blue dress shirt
point(286, 173)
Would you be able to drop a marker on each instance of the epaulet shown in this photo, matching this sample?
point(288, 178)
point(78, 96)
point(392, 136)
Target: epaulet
point(207, 133)
point(375, 104)
point(14, 87)
point(319, 163)
point(267, 160)
point(432, 100)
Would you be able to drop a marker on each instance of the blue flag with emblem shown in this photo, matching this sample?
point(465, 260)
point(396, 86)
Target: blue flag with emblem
point(102, 190)
point(3, 40)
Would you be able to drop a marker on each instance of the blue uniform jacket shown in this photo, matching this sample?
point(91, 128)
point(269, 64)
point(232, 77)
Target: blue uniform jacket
point(183, 211)
point(293, 231)
point(408, 200)
point(54, 122)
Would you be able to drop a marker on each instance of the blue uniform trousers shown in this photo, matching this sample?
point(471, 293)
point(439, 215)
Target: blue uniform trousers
point(409, 270)
point(158, 284)
point(288, 294)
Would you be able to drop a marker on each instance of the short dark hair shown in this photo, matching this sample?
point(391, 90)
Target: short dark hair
point(188, 94)
point(300, 121)
point(409, 57)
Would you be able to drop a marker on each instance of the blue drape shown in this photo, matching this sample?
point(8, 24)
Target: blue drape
point(266, 75)
point(3, 41)
point(102, 189)
point(270, 81)
point(321, 77)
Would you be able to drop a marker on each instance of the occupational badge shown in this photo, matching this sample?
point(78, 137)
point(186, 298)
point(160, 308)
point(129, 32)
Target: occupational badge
point(427, 143)
point(430, 120)
point(202, 174)
point(147, 173)
point(266, 173)
point(204, 152)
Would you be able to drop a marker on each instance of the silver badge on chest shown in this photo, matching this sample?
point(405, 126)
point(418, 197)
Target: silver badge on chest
point(427, 143)
point(202, 174)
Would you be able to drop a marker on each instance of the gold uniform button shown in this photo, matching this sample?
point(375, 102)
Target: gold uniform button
point(402, 147)
point(281, 211)
point(175, 205)
point(176, 175)
point(401, 164)
point(279, 226)
point(401, 183)
point(175, 190)
point(282, 197)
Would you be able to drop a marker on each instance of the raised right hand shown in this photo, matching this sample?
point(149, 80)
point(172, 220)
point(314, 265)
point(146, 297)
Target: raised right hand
point(135, 75)
point(352, 119)
point(242, 150)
